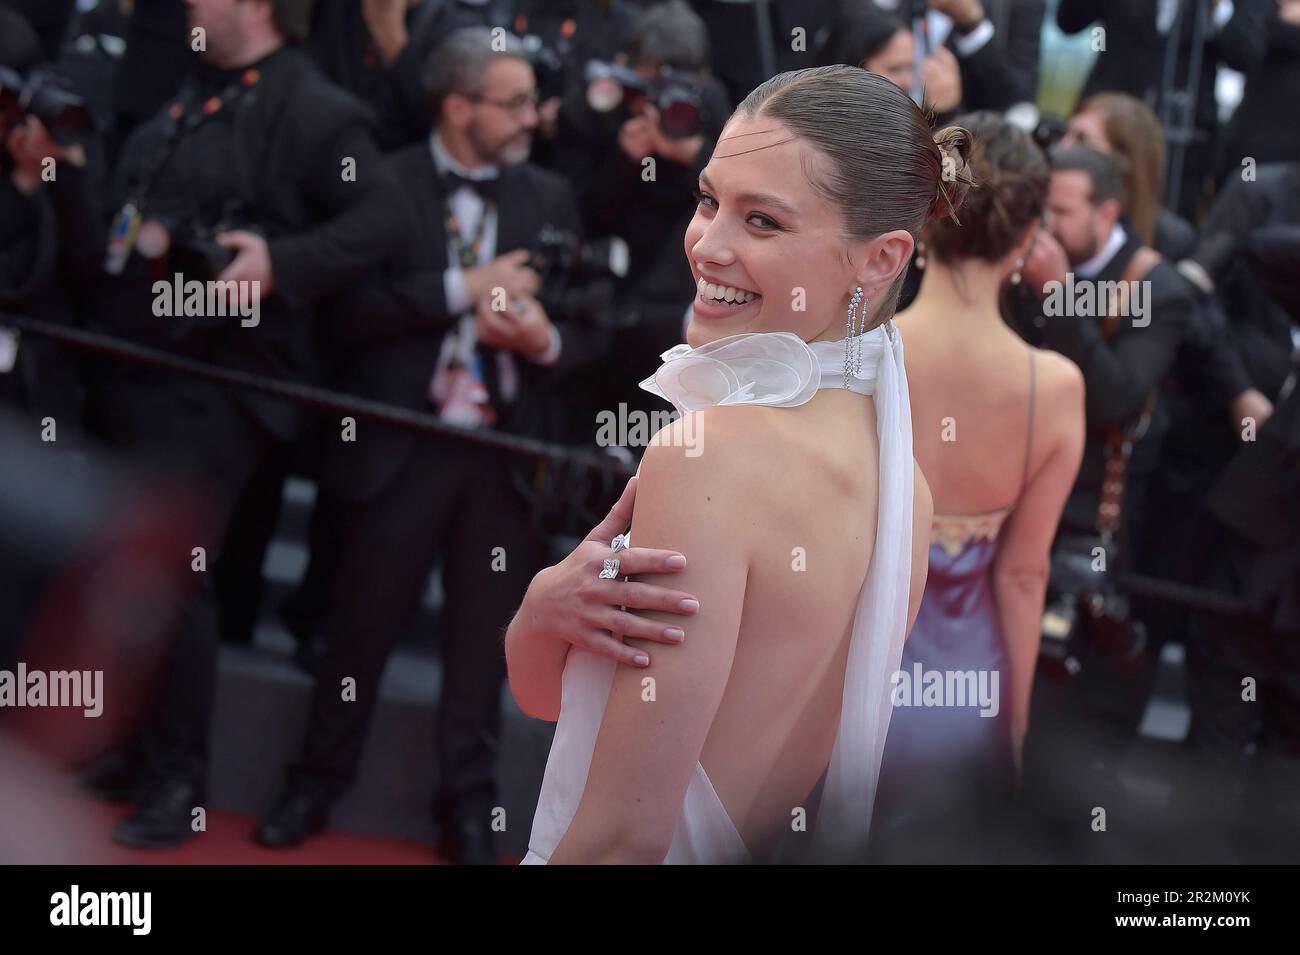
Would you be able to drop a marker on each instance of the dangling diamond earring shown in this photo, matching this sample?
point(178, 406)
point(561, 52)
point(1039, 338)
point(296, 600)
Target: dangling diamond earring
point(920, 253)
point(855, 327)
point(1015, 276)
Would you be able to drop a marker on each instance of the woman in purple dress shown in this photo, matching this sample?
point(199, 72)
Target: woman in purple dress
point(998, 431)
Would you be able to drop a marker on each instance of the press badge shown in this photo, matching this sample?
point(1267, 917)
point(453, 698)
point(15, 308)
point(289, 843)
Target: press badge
point(121, 238)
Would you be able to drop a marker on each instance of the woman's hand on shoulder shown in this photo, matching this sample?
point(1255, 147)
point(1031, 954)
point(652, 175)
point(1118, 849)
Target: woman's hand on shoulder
point(571, 602)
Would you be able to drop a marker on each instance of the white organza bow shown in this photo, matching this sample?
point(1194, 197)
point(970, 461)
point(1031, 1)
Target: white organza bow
point(772, 368)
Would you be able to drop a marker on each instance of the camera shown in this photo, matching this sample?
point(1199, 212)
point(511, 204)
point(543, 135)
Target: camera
point(676, 94)
point(44, 96)
point(1084, 611)
point(190, 246)
point(196, 254)
point(579, 279)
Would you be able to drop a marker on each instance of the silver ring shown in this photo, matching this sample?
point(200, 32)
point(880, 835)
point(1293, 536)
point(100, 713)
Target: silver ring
point(610, 569)
point(619, 543)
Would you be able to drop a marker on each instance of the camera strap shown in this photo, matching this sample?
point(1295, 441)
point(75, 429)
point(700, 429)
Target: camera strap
point(1120, 440)
point(459, 388)
point(467, 253)
point(182, 117)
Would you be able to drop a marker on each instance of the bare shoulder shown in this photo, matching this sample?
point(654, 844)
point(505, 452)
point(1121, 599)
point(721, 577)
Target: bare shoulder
point(722, 440)
point(1059, 379)
point(714, 448)
point(1060, 397)
point(703, 480)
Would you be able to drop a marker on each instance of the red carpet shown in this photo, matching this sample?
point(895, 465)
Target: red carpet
point(228, 841)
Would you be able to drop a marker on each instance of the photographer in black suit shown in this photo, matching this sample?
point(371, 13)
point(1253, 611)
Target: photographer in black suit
point(377, 49)
point(256, 143)
point(1122, 362)
point(1126, 344)
point(1274, 84)
point(1244, 669)
point(50, 239)
point(1137, 36)
point(453, 326)
point(634, 180)
point(993, 47)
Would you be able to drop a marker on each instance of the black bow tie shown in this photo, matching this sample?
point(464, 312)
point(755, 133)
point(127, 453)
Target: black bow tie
point(488, 188)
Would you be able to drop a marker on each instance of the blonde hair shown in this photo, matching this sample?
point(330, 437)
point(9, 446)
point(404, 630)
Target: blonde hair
point(1137, 144)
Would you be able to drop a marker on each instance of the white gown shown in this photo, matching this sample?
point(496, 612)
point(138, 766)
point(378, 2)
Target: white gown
point(777, 369)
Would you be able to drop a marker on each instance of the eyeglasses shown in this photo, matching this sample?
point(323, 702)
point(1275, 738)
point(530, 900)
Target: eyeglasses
point(516, 105)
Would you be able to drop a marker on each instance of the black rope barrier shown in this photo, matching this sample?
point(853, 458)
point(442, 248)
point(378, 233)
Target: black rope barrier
point(1170, 591)
point(327, 400)
point(312, 395)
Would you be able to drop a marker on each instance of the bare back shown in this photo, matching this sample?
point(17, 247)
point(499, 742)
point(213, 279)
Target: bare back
point(775, 727)
point(972, 410)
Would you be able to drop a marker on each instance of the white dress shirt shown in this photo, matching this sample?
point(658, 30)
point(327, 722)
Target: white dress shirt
point(1092, 268)
point(1166, 9)
point(939, 26)
point(468, 207)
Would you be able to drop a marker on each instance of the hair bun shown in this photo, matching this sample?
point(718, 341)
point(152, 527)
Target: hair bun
point(955, 144)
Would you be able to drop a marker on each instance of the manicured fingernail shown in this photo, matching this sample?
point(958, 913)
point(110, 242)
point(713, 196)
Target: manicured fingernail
point(676, 562)
point(689, 605)
point(675, 633)
point(642, 659)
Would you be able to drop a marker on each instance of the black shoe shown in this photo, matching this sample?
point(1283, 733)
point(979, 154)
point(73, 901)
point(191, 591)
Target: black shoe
point(469, 842)
point(116, 777)
point(163, 817)
point(300, 813)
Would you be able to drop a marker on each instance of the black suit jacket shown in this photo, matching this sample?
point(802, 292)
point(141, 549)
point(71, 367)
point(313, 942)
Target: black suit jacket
point(1133, 61)
point(734, 38)
point(1271, 93)
point(998, 75)
point(1257, 503)
point(342, 46)
point(291, 139)
point(1119, 375)
point(1260, 331)
point(1003, 71)
point(387, 331)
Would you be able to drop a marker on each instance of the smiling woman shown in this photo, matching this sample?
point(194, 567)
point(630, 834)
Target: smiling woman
point(796, 242)
point(802, 525)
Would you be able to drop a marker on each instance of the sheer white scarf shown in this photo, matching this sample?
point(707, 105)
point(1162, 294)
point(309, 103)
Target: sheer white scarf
point(779, 369)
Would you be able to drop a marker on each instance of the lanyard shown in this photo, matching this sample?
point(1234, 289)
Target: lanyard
point(462, 342)
point(183, 119)
point(467, 253)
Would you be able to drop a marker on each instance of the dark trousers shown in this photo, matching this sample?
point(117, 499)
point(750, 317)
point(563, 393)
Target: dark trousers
point(1252, 745)
point(191, 432)
point(303, 610)
point(453, 505)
